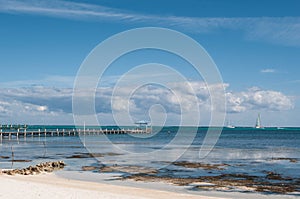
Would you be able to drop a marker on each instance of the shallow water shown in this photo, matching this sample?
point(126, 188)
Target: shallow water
point(244, 151)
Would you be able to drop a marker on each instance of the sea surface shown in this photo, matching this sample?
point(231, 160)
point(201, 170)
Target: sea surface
point(240, 150)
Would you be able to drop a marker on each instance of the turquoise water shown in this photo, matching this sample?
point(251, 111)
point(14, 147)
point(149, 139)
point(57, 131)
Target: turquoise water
point(246, 150)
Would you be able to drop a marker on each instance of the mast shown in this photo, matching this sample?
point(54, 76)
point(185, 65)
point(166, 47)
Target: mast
point(83, 126)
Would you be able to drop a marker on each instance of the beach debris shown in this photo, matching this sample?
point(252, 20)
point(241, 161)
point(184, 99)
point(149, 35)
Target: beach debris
point(39, 168)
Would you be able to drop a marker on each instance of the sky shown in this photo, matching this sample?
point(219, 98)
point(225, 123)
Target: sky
point(254, 44)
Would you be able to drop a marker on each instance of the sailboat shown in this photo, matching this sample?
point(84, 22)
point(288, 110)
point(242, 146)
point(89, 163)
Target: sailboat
point(258, 123)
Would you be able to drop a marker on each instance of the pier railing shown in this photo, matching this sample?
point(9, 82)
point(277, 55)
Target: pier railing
point(69, 132)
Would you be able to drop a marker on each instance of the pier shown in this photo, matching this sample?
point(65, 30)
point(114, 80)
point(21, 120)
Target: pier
point(69, 132)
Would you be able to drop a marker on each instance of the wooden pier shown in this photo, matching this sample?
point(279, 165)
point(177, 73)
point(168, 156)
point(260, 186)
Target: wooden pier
point(69, 132)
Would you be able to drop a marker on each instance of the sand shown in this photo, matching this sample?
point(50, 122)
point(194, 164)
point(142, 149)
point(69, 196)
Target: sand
point(52, 186)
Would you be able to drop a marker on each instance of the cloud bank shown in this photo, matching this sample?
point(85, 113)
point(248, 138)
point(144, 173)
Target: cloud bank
point(34, 104)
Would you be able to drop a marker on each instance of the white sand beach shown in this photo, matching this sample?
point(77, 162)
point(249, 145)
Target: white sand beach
point(52, 186)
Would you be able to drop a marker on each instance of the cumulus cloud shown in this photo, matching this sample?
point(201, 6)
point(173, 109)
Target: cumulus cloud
point(32, 102)
point(257, 99)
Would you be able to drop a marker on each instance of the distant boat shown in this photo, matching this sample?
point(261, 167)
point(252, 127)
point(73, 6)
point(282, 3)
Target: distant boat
point(258, 123)
point(229, 125)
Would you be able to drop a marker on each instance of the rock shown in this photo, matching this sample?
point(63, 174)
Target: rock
point(27, 172)
point(11, 172)
point(39, 168)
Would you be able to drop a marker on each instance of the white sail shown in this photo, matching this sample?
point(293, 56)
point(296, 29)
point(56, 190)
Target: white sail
point(258, 122)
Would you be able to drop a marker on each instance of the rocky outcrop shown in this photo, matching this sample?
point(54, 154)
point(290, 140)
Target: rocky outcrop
point(39, 168)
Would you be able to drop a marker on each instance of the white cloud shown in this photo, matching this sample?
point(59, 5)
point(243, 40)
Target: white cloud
point(268, 70)
point(257, 99)
point(235, 103)
point(55, 104)
point(279, 30)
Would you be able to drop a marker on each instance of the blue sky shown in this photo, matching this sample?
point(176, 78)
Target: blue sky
point(255, 44)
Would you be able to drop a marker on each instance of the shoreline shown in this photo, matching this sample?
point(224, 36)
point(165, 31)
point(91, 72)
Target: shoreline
point(52, 186)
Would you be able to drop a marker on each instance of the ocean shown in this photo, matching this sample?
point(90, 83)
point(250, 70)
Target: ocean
point(261, 159)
